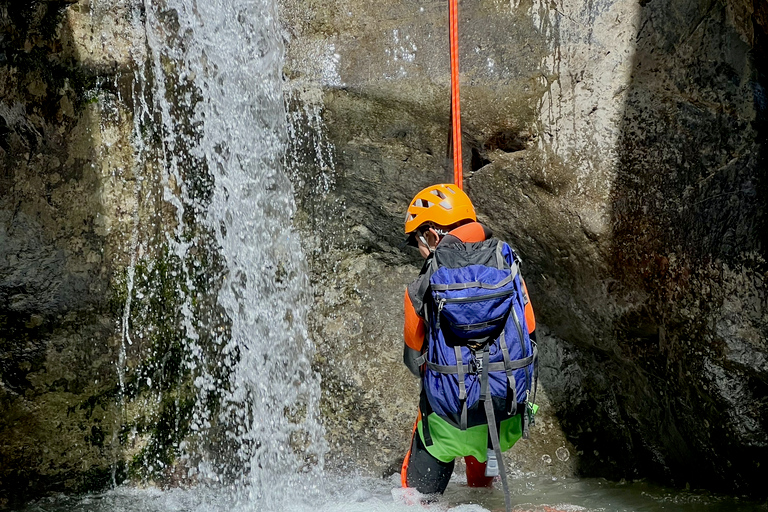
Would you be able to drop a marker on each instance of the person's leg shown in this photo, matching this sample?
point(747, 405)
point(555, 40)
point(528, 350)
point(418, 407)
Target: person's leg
point(404, 468)
point(476, 473)
point(424, 472)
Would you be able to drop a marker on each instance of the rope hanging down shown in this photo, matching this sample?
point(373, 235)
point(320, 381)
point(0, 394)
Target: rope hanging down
point(455, 140)
point(455, 107)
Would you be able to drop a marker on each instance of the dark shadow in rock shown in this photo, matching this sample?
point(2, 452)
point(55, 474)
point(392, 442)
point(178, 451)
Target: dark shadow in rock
point(478, 160)
point(507, 141)
point(688, 255)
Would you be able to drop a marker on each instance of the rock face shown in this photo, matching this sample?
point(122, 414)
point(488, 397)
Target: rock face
point(76, 412)
point(57, 341)
point(619, 146)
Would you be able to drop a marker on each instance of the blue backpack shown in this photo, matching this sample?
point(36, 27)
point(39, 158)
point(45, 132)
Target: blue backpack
point(478, 349)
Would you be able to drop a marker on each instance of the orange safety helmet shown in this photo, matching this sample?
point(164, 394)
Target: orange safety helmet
point(442, 205)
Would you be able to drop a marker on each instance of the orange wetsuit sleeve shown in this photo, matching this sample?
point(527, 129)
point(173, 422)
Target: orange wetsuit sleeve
point(413, 330)
point(530, 320)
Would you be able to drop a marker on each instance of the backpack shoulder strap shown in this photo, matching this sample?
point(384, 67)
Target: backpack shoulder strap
point(501, 258)
point(501, 261)
point(417, 290)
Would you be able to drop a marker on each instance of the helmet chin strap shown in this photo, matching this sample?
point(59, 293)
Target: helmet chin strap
point(424, 241)
point(426, 244)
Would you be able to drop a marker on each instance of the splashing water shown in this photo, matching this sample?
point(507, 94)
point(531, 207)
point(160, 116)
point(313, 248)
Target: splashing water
point(356, 494)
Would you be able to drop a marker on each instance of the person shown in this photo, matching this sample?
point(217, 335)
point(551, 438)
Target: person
point(439, 218)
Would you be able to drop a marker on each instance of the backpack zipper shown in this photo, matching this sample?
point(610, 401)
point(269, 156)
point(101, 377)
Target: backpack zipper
point(468, 327)
point(496, 295)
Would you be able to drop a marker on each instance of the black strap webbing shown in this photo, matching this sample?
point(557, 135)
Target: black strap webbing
point(511, 387)
point(425, 410)
point(492, 367)
point(485, 396)
point(462, 387)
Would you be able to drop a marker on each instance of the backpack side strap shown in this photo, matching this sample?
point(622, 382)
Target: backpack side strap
point(511, 387)
point(462, 387)
point(485, 396)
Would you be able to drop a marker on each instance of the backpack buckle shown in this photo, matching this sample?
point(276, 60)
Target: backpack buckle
point(475, 366)
point(472, 367)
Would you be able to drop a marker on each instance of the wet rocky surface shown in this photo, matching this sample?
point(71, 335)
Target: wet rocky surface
point(618, 145)
point(69, 208)
point(620, 148)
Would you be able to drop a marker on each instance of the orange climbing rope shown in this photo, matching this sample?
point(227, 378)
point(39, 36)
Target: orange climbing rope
point(455, 107)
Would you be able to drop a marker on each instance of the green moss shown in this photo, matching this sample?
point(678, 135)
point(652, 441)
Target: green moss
point(166, 431)
point(156, 322)
point(156, 372)
point(159, 393)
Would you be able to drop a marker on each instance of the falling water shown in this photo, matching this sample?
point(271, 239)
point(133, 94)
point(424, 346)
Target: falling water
point(216, 87)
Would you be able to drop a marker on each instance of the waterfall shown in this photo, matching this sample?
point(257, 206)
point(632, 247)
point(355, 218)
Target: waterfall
point(215, 78)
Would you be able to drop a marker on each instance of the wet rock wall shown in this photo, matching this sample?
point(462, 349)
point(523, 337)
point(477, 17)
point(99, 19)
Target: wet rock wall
point(77, 407)
point(54, 273)
point(619, 146)
point(700, 330)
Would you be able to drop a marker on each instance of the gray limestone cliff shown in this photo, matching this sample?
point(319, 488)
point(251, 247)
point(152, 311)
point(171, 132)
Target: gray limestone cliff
point(619, 146)
point(76, 410)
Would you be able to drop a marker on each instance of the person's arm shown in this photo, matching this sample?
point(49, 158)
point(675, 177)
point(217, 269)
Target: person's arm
point(413, 334)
